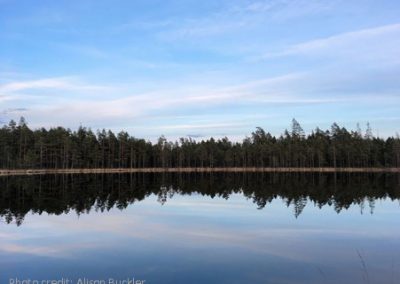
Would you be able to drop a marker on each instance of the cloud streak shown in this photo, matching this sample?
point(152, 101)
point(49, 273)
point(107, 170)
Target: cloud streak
point(379, 43)
point(243, 16)
point(59, 83)
point(290, 90)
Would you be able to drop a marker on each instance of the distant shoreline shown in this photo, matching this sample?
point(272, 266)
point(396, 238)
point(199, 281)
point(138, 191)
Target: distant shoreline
point(20, 172)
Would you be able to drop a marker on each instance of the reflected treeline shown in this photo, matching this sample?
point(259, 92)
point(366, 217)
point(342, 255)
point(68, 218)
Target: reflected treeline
point(61, 194)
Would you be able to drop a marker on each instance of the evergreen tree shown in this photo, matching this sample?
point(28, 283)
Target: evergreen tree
point(60, 148)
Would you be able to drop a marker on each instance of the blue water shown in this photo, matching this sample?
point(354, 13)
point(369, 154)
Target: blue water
point(199, 239)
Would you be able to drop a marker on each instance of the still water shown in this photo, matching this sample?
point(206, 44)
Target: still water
point(225, 228)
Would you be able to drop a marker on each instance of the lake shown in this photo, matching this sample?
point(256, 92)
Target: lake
point(200, 228)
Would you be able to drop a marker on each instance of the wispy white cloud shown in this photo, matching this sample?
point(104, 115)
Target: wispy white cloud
point(284, 9)
point(134, 105)
point(242, 16)
point(202, 126)
point(59, 83)
point(140, 25)
point(85, 50)
point(34, 84)
point(203, 28)
point(376, 44)
point(71, 109)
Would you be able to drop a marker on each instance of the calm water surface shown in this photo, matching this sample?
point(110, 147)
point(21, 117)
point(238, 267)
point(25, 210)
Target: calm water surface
point(232, 228)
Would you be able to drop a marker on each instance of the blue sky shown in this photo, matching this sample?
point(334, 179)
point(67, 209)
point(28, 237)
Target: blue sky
point(201, 68)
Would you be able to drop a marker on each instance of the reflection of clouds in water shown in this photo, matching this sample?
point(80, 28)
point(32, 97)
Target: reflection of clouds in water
point(198, 228)
point(56, 251)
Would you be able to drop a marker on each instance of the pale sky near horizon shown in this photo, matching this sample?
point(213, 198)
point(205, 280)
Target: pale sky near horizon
point(201, 68)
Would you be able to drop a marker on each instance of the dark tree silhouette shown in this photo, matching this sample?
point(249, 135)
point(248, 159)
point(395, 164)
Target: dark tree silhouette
point(60, 148)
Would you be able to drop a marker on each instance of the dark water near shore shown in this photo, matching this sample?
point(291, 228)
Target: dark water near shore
point(201, 228)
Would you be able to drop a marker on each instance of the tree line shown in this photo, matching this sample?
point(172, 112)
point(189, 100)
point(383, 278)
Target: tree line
point(62, 194)
point(61, 148)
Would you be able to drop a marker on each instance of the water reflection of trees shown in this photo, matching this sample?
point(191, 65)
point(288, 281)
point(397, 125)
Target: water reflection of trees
point(60, 194)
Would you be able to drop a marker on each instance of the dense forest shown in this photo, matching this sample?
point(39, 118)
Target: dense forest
point(61, 194)
point(60, 148)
